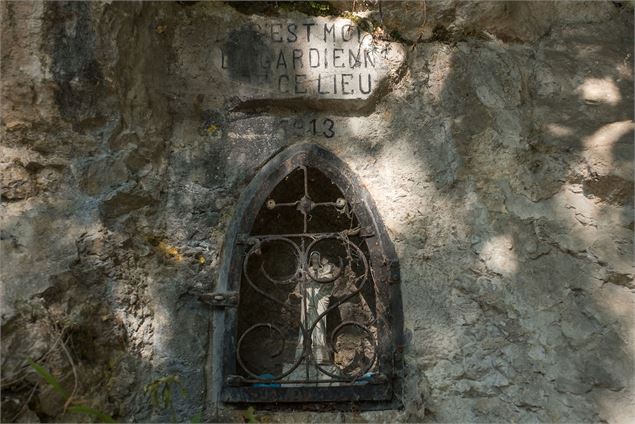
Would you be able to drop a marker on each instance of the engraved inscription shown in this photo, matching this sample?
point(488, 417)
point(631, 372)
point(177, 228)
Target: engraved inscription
point(319, 127)
point(318, 58)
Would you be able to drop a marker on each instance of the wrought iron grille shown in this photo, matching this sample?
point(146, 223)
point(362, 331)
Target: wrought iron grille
point(329, 272)
point(315, 276)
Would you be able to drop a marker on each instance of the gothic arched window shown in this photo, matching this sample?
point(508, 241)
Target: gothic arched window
point(308, 296)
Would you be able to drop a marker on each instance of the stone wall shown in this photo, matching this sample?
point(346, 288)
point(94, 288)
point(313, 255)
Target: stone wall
point(498, 147)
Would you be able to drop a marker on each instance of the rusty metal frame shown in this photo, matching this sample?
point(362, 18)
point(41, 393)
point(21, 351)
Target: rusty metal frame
point(221, 363)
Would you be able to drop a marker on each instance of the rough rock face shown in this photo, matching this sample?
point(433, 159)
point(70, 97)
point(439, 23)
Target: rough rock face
point(508, 21)
point(500, 156)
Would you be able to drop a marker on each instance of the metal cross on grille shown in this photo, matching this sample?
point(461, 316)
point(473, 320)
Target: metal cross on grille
point(314, 291)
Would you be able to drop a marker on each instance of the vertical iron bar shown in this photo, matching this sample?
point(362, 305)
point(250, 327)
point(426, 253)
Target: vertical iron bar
point(304, 324)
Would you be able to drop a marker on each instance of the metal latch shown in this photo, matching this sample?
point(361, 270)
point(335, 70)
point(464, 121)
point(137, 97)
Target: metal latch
point(226, 299)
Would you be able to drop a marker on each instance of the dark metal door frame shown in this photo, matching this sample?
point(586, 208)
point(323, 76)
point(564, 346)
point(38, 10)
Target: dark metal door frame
point(384, 265)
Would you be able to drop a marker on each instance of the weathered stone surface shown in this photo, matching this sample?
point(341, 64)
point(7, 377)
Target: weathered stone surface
point(16, 183)
point(508, 21)
point(284, 62)
point(498, 148)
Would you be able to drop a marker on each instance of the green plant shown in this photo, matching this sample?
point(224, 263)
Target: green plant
point(86, 410)
point(71, 404)
point(161, 392)
point(311, 8)
point(48, 377)
point(366, 24)
point(250, 415)
point(274, 8)
point(197, 418)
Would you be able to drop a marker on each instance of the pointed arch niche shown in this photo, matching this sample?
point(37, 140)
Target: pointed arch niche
point(307, 306)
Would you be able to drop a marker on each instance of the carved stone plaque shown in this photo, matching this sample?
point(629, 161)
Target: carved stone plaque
point(310, 58)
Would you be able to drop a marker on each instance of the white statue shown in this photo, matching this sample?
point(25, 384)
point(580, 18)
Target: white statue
point(315, 298)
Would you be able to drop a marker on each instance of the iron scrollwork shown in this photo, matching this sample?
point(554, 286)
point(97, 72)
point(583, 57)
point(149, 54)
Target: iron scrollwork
point(325, 273)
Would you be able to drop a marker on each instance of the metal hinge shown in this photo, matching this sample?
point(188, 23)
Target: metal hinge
point(224, 300)
point(234, 380)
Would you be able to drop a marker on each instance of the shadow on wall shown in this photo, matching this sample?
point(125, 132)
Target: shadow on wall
point(505, 178)
point(507, 183)
point(512, 212)
point(101, 283)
